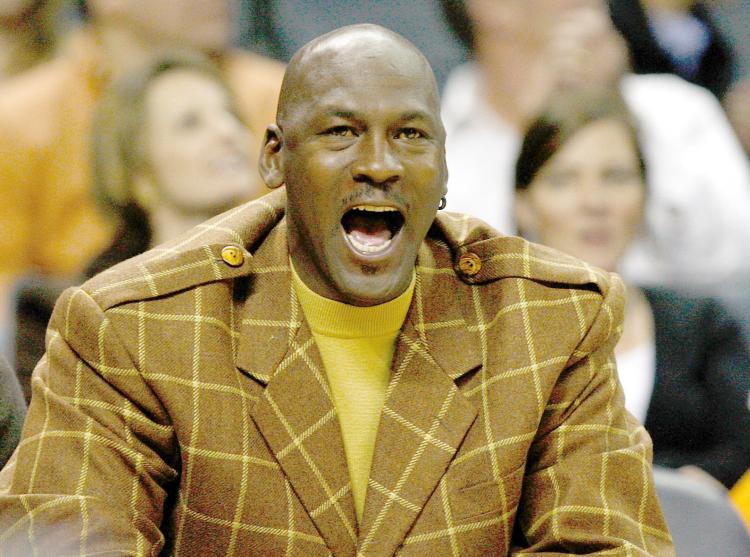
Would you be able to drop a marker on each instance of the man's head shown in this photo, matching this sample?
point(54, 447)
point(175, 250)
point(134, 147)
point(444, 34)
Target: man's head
point(509, 20)
point(205, 25)
point(360, 146)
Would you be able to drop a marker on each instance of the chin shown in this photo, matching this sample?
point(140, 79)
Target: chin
point(360, 289)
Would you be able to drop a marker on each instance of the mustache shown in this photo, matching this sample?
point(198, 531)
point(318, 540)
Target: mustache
point(366, 193)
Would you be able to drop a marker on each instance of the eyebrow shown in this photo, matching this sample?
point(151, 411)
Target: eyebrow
point(405, 116)
point(415, 115)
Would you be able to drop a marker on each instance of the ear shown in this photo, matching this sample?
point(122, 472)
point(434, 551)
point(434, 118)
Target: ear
point(271, 164)
point(526, 224)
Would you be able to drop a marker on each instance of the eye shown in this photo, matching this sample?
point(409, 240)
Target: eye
point(340, 131)
point(620, 176)
point(410, 133)
point(188, 121)
point(559, 178)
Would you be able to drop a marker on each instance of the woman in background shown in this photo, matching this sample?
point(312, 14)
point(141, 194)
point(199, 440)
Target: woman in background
point(169, 152)
point(685, 370)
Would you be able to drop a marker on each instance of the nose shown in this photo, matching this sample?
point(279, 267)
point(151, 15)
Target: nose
point(377, 164)
point(595, 197)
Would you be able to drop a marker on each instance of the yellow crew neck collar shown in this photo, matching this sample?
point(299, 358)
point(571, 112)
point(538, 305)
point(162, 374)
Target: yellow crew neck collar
point(338, 319)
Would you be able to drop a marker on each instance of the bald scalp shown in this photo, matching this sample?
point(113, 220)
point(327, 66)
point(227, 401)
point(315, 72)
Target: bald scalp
point(348, 46)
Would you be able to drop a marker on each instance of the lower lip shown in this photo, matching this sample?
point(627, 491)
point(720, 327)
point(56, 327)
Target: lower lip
point(374, 257)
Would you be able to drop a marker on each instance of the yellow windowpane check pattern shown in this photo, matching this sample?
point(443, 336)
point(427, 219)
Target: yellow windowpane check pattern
point(356, 345)
point(188, 402)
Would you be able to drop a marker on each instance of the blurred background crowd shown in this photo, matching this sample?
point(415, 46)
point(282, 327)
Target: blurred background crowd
point(617, 131)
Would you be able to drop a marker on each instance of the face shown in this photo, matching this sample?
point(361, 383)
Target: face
point(587, 201)
point(525, 19)
point(363, 160)
point(195, 148)
point(202, 24)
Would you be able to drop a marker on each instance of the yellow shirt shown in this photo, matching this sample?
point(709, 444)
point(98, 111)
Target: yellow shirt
point(356, 345)
point(740, 495)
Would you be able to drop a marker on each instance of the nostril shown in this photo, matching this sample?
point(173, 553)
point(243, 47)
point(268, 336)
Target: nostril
point(369, 179)
point(377, 172)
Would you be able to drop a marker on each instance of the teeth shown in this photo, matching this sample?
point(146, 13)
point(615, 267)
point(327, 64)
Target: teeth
point(367, 248)
point(374, 209)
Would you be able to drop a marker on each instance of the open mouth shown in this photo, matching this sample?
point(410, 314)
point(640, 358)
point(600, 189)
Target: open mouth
point(371, 229)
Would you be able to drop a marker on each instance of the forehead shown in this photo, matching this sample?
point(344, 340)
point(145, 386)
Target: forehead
point(175, 90)
point(585, 144)
point(380, 78)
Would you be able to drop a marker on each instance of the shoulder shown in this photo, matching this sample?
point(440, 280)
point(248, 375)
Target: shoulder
point(252, 68)
point(48, 91)
point(673, 301)
point(659, 94)
point(219, 249)
point(38, 91)
point(460, 95)
point(555, 294)
point(501, 256)
point(700, 316)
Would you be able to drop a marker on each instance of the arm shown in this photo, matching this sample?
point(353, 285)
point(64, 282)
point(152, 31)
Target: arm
point(97, 452)
point(589, 487)
point(699, 209)
point(726, 380)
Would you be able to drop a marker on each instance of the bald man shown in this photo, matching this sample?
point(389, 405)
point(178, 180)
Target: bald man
point(336, 368)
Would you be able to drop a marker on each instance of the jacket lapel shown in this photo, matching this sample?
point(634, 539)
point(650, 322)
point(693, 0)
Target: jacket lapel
point(295, 413)
point(425, 417)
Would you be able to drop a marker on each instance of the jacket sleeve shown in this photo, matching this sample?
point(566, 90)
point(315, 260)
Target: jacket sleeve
point(12, 411)
point(96, 457)
point(589, 487)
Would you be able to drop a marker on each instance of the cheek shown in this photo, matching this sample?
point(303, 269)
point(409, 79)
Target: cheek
point(174, 149)
point(554, 212)
point(175, 164)
point(632, 207)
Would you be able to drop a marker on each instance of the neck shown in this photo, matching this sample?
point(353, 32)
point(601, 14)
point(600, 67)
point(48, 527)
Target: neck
point(168, 222)
point(514, 79)
point(638, 326)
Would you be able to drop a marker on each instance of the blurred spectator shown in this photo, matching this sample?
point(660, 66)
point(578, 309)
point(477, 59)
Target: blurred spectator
point(697, 232)
point(279, 27)
point(28, 34)
point(169, 152)
point(675, 36)
point(12, 411)
point(685, 370)
point(48, 219)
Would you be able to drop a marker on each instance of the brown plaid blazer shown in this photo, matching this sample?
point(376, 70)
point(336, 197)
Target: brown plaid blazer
point(182, 409)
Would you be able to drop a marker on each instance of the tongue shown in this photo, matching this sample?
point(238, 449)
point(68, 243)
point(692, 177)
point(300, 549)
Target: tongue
point(370, 231)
